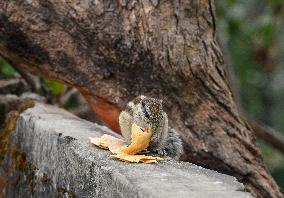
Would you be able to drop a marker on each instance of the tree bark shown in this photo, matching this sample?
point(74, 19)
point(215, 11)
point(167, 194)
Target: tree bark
point(113, 51)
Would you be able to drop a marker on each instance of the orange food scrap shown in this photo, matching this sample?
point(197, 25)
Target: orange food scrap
point(140, 140)
point(108, 142)
point(137, 158)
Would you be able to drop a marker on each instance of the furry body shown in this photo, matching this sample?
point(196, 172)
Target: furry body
point(148, 112)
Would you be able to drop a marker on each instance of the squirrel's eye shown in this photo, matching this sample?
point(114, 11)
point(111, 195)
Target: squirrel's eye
point(146, 114)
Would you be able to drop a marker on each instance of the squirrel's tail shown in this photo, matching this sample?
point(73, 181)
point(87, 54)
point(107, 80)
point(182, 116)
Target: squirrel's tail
point(173, 146)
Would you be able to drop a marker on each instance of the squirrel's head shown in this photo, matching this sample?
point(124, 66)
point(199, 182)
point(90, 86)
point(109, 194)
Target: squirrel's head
point(149, 112)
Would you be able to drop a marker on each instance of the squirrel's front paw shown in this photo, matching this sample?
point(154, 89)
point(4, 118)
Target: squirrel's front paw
point(160, 152)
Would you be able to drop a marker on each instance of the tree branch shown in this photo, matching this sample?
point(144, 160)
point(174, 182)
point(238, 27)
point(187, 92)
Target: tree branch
point(24, 75)
point(268, 134)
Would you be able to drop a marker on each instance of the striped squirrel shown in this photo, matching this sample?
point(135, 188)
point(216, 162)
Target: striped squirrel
point(148, 112)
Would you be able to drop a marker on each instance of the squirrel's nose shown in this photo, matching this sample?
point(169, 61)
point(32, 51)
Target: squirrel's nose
point(147, 130)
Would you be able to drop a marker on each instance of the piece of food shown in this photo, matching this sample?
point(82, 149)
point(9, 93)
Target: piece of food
point(140, 140)
point(137, 158)
point(108, 142)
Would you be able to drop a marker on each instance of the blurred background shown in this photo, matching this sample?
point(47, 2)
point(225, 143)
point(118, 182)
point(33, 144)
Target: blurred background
point(251, 34)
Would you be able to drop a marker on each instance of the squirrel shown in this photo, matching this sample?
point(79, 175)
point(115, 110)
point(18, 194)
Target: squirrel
point(148, 112)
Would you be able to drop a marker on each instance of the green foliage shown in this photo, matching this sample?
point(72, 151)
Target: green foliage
point(56, 87)
point(6, 71)
point(275, 161)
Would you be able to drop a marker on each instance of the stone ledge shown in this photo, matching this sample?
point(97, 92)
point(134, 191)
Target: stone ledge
point(56, 159)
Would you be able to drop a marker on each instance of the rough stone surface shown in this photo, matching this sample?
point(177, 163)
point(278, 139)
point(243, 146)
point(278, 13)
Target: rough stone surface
point(57, 159)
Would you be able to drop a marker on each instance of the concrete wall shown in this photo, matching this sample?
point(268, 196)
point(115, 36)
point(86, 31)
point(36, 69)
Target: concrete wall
point(50, 155)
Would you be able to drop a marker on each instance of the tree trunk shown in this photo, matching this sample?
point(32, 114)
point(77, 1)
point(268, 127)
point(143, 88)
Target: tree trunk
point(113, 51)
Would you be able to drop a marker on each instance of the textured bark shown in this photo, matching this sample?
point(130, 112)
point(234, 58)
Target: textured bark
point(113, 51)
